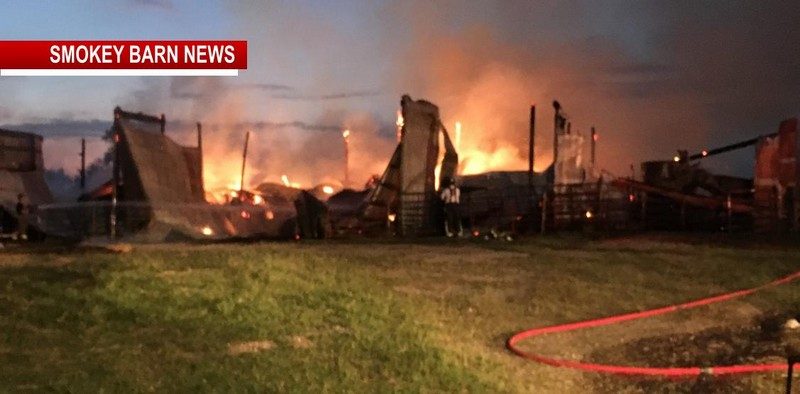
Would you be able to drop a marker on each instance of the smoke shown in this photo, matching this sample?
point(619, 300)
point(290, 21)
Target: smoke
point(699, 75)
point(669, 76)
point(652, 77)
point(306, 152)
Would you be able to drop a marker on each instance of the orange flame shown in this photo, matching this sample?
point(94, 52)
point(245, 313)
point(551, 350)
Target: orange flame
point(285, 180)
point(458, 136)
point(400, 122)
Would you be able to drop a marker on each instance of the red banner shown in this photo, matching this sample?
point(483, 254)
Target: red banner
point(123, 55)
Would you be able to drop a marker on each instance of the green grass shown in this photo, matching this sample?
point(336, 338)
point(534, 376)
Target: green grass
point(341, 316)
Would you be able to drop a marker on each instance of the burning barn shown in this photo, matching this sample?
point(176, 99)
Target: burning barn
point(21, 172)
point(156, 193)
point(406, 193)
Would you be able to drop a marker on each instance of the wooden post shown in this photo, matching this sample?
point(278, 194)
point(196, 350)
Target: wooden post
point(244, 160)
point(163, 124)
point(557, 108)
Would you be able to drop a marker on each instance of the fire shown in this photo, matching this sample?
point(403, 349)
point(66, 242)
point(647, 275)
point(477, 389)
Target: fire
point(346, 134)
point(400, 122)
point(476, 161)
point(458, 136)
point(475, 158)
point(285, 180)
point(207, 231)
point(437, 173)
point(327, 189)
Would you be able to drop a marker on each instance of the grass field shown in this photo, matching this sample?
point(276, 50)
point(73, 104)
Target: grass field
point(359, 316)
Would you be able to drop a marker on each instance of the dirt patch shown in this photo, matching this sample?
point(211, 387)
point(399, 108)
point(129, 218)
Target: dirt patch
point(749, 343)
point(237, 348)
point(300, 342)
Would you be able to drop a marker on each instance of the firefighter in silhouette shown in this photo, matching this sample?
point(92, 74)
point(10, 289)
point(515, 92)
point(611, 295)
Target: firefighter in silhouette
point(451, 196)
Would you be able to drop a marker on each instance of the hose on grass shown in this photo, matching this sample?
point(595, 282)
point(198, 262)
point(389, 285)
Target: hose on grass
point(669, 372)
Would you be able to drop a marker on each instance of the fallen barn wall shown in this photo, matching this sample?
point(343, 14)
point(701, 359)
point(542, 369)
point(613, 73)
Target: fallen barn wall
point(407, 187)
point(160, 195)
point(21, 171)
point(420, 150)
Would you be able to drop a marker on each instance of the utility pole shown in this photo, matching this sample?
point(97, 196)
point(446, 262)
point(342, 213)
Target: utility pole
point(115, 177)
point(346, 136)
point(594, 143)
point(83, 164)
point(531, 146)
point(244, 160)
point(200, 149)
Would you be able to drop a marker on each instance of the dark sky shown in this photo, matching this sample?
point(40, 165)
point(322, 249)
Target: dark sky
point(652, 76)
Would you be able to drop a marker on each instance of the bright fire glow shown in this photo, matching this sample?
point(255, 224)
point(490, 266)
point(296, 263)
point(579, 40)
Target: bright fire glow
point(476, 161)
point(589, 214)
point(676, 159)
point(346, 134)
point(207, 231)
point(258, 200)
point(327, 189)
point(400, 122)
point(478, 155)
point(458, 136)
point(285, 180)
point(392, 217)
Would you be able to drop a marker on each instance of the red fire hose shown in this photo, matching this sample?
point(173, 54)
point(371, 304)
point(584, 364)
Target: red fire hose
point(512, 342)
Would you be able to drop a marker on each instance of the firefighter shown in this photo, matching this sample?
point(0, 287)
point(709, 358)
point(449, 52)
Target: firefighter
point(23, 210)
point(451, 196)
